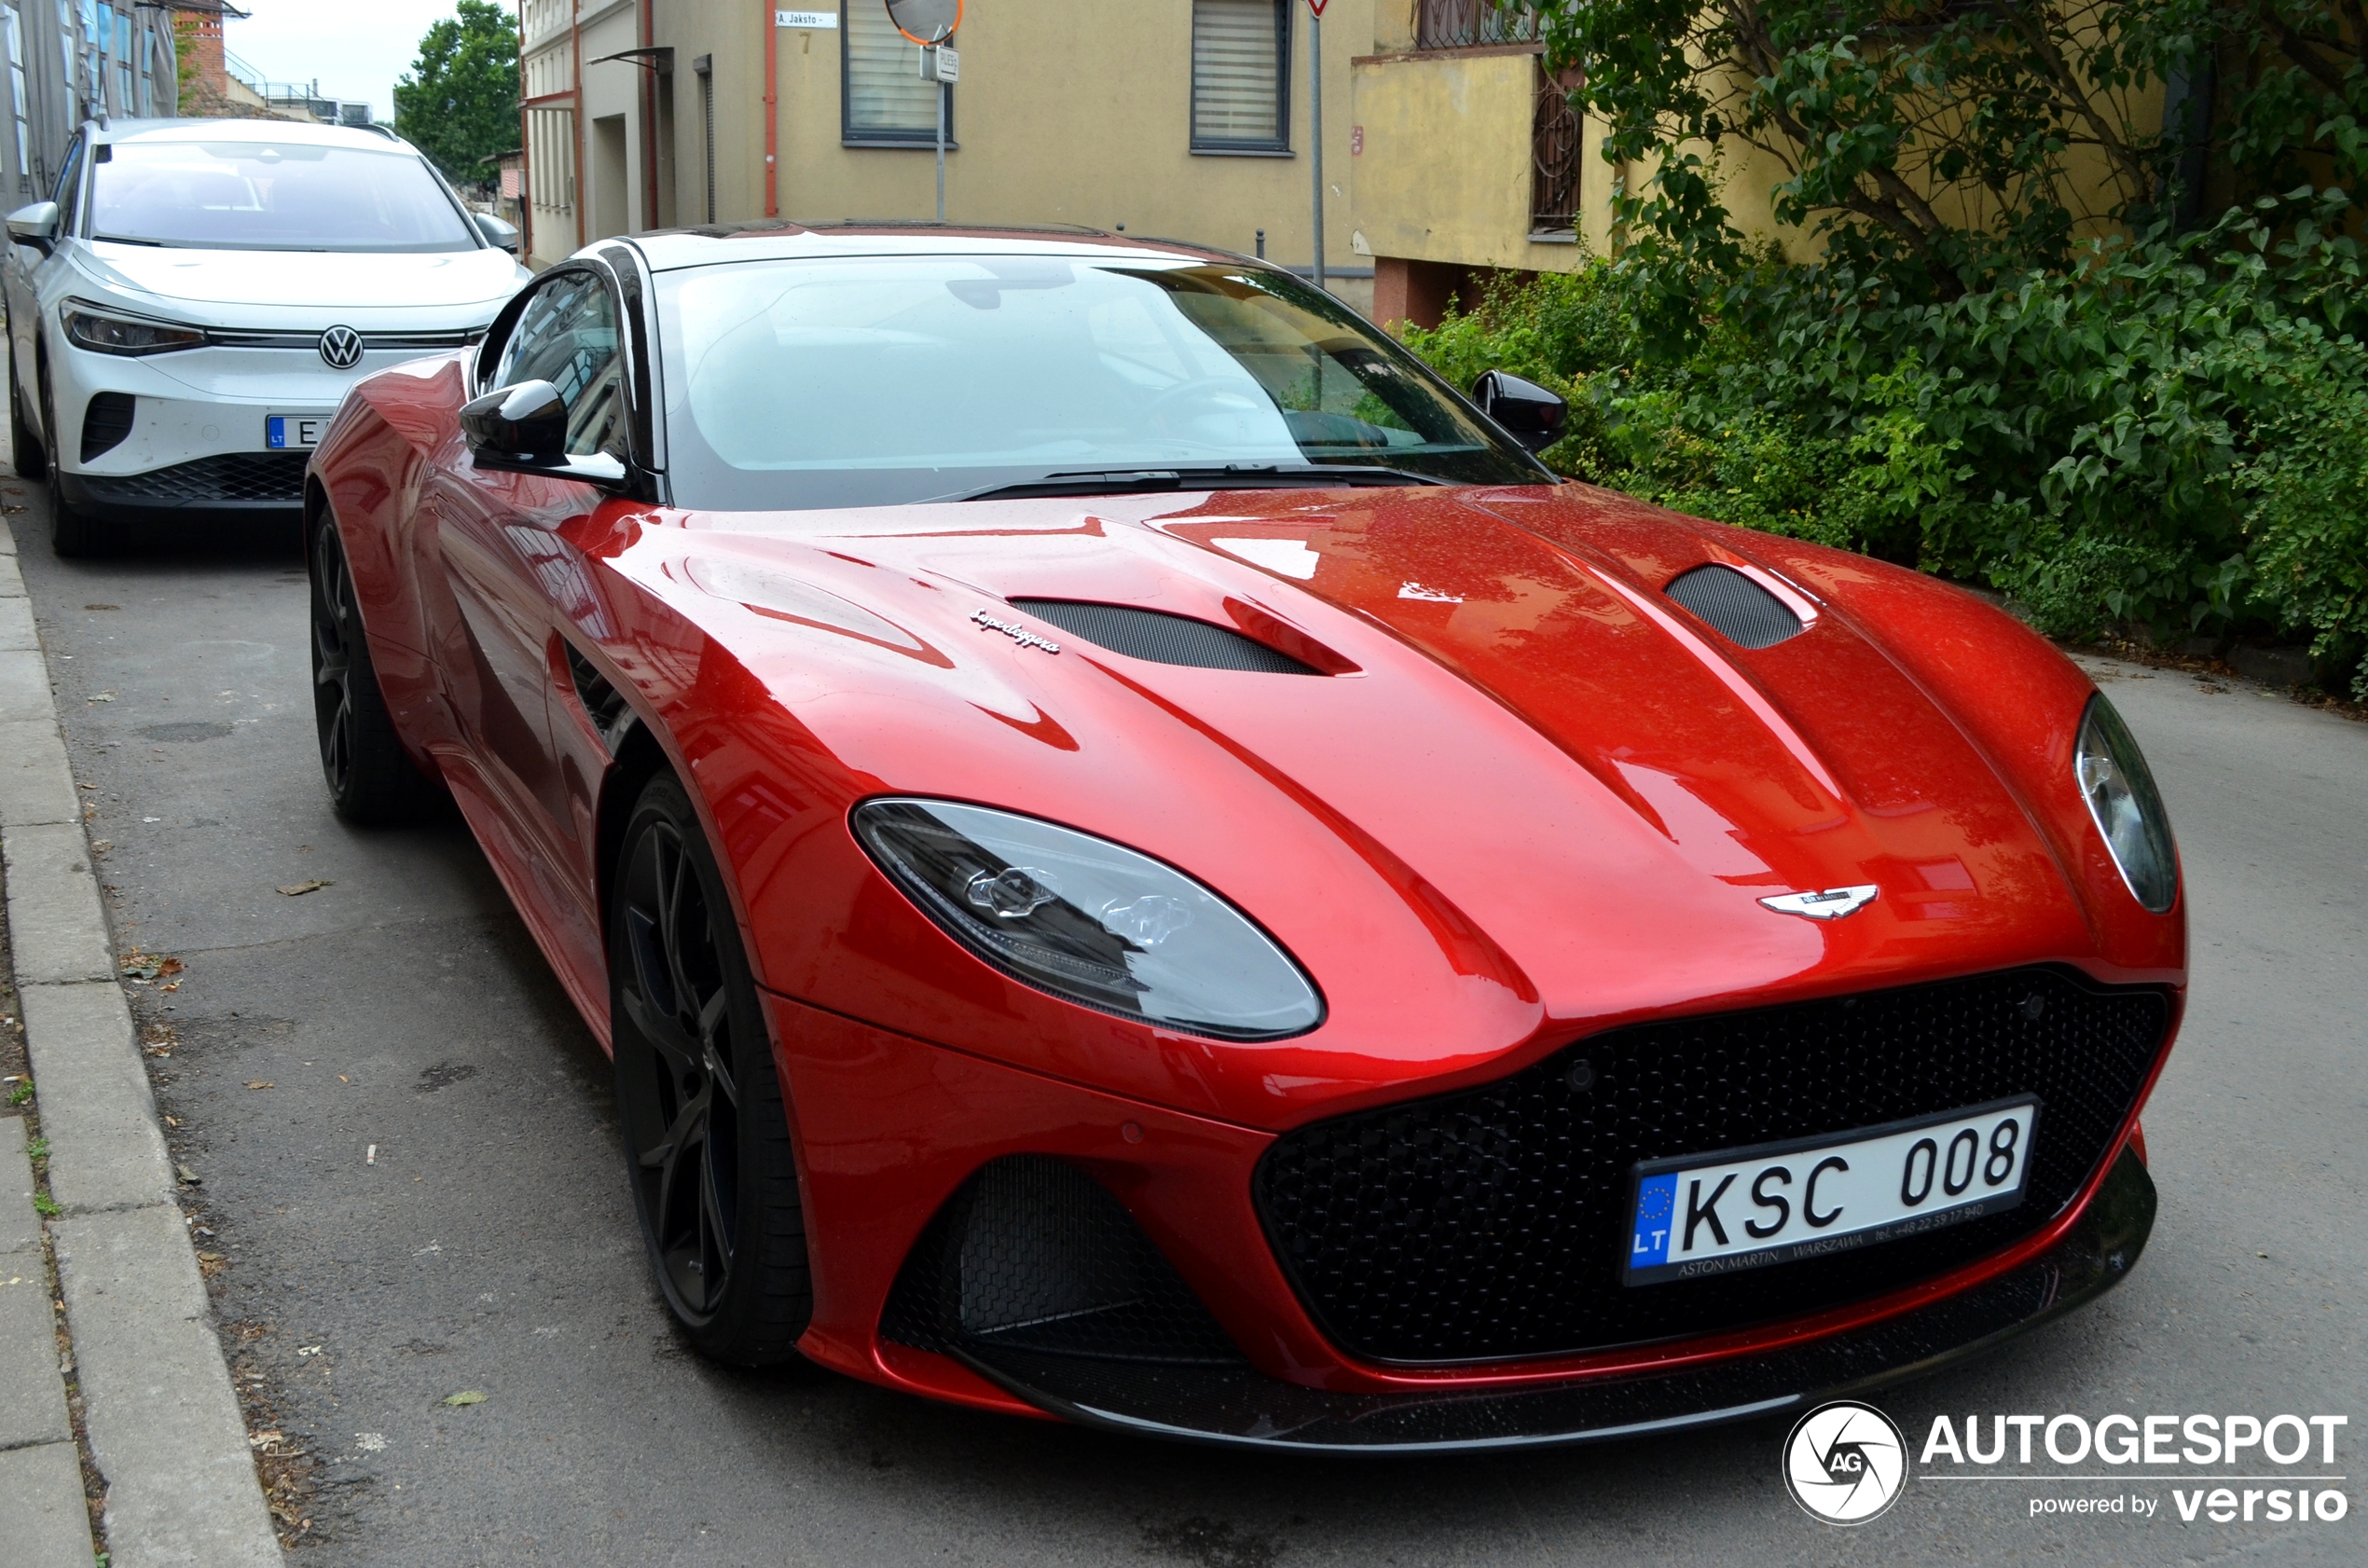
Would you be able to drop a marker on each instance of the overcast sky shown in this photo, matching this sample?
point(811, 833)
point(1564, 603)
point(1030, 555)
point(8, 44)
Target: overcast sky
point(356, 47)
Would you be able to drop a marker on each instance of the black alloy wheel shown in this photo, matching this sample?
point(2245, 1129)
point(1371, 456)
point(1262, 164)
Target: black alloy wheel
point(371, 778)
point(26, 454)
point(705, 1130)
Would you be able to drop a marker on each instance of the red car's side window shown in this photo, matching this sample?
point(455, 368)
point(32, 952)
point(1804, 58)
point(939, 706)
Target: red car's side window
point(568, 336)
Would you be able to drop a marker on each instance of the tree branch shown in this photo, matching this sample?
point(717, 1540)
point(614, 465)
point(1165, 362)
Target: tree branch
point(2298, 49)
point(2034, 32)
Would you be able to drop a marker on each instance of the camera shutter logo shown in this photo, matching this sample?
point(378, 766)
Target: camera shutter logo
point(341, 347)
point(1845, 1462)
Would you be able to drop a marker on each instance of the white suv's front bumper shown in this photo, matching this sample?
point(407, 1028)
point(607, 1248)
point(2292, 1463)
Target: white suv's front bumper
point(198, 438)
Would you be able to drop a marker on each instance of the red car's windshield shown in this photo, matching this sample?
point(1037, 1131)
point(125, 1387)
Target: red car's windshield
point(865, 380)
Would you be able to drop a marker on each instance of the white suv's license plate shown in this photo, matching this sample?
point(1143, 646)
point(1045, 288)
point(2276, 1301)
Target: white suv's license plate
point(1713, 1214)
point(287, 432)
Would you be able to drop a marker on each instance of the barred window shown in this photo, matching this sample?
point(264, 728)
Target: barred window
point(882, 96)
point(1241, 75)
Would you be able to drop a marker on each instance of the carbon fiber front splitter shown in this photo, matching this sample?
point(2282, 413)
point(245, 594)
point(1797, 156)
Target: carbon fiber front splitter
point(1246, 1409)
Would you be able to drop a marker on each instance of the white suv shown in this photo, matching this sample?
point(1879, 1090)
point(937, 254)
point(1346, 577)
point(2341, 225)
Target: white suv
point(188, 312)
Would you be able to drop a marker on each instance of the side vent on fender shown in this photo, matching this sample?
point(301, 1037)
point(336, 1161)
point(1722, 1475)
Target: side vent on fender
point(1739, 609)
point(1162, 638)
point(602, 703)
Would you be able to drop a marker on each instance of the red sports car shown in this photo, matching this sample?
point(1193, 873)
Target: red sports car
point(1140, 860)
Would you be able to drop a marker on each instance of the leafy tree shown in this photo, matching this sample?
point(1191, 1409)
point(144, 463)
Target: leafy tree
point(1944, 142)
point(2071, 301)
point(459, 102)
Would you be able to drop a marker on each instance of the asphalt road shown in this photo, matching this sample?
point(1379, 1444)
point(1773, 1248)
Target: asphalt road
point(489, 1247)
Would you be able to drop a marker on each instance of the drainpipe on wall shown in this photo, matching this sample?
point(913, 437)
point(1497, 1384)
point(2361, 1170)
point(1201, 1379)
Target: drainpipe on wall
point(648, 67)
point(526, 155)
point(772, 118)
point(2191, 92)
point(576, 197)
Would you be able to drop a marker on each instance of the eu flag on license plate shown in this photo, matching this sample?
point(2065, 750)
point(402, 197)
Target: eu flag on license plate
point(1656, 1213)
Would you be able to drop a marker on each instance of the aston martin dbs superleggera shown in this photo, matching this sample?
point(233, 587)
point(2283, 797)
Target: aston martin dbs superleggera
point(1140, 860)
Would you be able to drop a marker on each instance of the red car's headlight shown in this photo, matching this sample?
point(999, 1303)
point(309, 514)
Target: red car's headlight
point(2121, 797)
point(1090, 921)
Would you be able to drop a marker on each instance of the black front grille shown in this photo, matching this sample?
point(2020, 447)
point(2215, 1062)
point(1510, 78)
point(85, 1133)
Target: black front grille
point(239, 478)
point(1489, 1224)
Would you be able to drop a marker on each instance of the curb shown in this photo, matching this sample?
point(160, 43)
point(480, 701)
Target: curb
point(164, 1428)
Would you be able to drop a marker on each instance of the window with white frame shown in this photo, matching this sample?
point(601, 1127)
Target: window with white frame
point(882, 97)
point(18, 106)
point(1241, 75)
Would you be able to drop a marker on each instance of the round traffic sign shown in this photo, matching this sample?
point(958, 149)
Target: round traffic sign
point(927, 22)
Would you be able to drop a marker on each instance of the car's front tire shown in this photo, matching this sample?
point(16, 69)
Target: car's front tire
point(705, 1130)
point(371, 778)
point(26, 454)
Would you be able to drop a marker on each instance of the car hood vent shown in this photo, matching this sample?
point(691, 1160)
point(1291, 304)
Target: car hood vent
point(1162, 638)
point(1739, 609)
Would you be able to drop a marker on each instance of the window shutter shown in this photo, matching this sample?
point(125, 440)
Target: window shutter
point(1237, 74)
point(885, 97)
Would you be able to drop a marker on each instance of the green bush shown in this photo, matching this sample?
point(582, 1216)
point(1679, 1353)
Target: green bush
point(2171, 431)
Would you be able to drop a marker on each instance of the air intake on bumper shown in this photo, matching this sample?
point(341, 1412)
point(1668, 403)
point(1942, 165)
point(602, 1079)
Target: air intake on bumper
point(1035, 1259)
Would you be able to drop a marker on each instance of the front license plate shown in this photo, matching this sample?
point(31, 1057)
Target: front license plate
point(293, 431)
point(1713, 1214)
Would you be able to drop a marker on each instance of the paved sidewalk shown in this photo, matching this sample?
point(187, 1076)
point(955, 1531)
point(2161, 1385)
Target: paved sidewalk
point(40, 1470)
point(164, 1428)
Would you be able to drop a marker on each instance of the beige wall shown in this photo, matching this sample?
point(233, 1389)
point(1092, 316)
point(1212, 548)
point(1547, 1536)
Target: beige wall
point(1081, 114)
point(1064, 113)
point(614, 183)
point(1446, 173)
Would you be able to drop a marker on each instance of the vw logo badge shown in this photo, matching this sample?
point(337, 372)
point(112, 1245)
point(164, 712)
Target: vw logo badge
point(1845, 1462)
point(341, 346)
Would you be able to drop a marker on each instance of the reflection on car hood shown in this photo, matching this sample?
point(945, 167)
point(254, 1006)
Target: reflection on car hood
point(307, 280)
point(1598, 783)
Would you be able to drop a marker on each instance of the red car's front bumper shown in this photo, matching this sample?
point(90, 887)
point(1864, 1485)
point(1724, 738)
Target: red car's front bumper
point(893, 1132)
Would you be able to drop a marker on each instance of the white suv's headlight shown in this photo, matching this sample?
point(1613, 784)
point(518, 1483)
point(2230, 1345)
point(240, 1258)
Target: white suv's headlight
point(2121, 796)
point(109, 332)
point(1088, 920)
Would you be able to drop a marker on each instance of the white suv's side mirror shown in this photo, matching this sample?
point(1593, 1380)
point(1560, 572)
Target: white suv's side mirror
point(35, 226)
point(498, 233)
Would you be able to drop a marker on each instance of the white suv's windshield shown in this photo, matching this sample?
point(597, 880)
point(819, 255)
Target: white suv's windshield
point(880, 380)
point(272, 195)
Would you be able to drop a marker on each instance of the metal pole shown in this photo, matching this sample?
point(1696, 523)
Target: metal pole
point(1316, 131)
point(771, 34)
point(941, 151)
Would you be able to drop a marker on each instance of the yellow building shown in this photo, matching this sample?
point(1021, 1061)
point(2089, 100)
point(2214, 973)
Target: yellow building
point(1176, 119)
point(1448, 150)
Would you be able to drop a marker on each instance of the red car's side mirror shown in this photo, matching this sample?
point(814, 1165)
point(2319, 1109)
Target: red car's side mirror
point(520, 426)
point(524, 429)
point(1526, 411)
